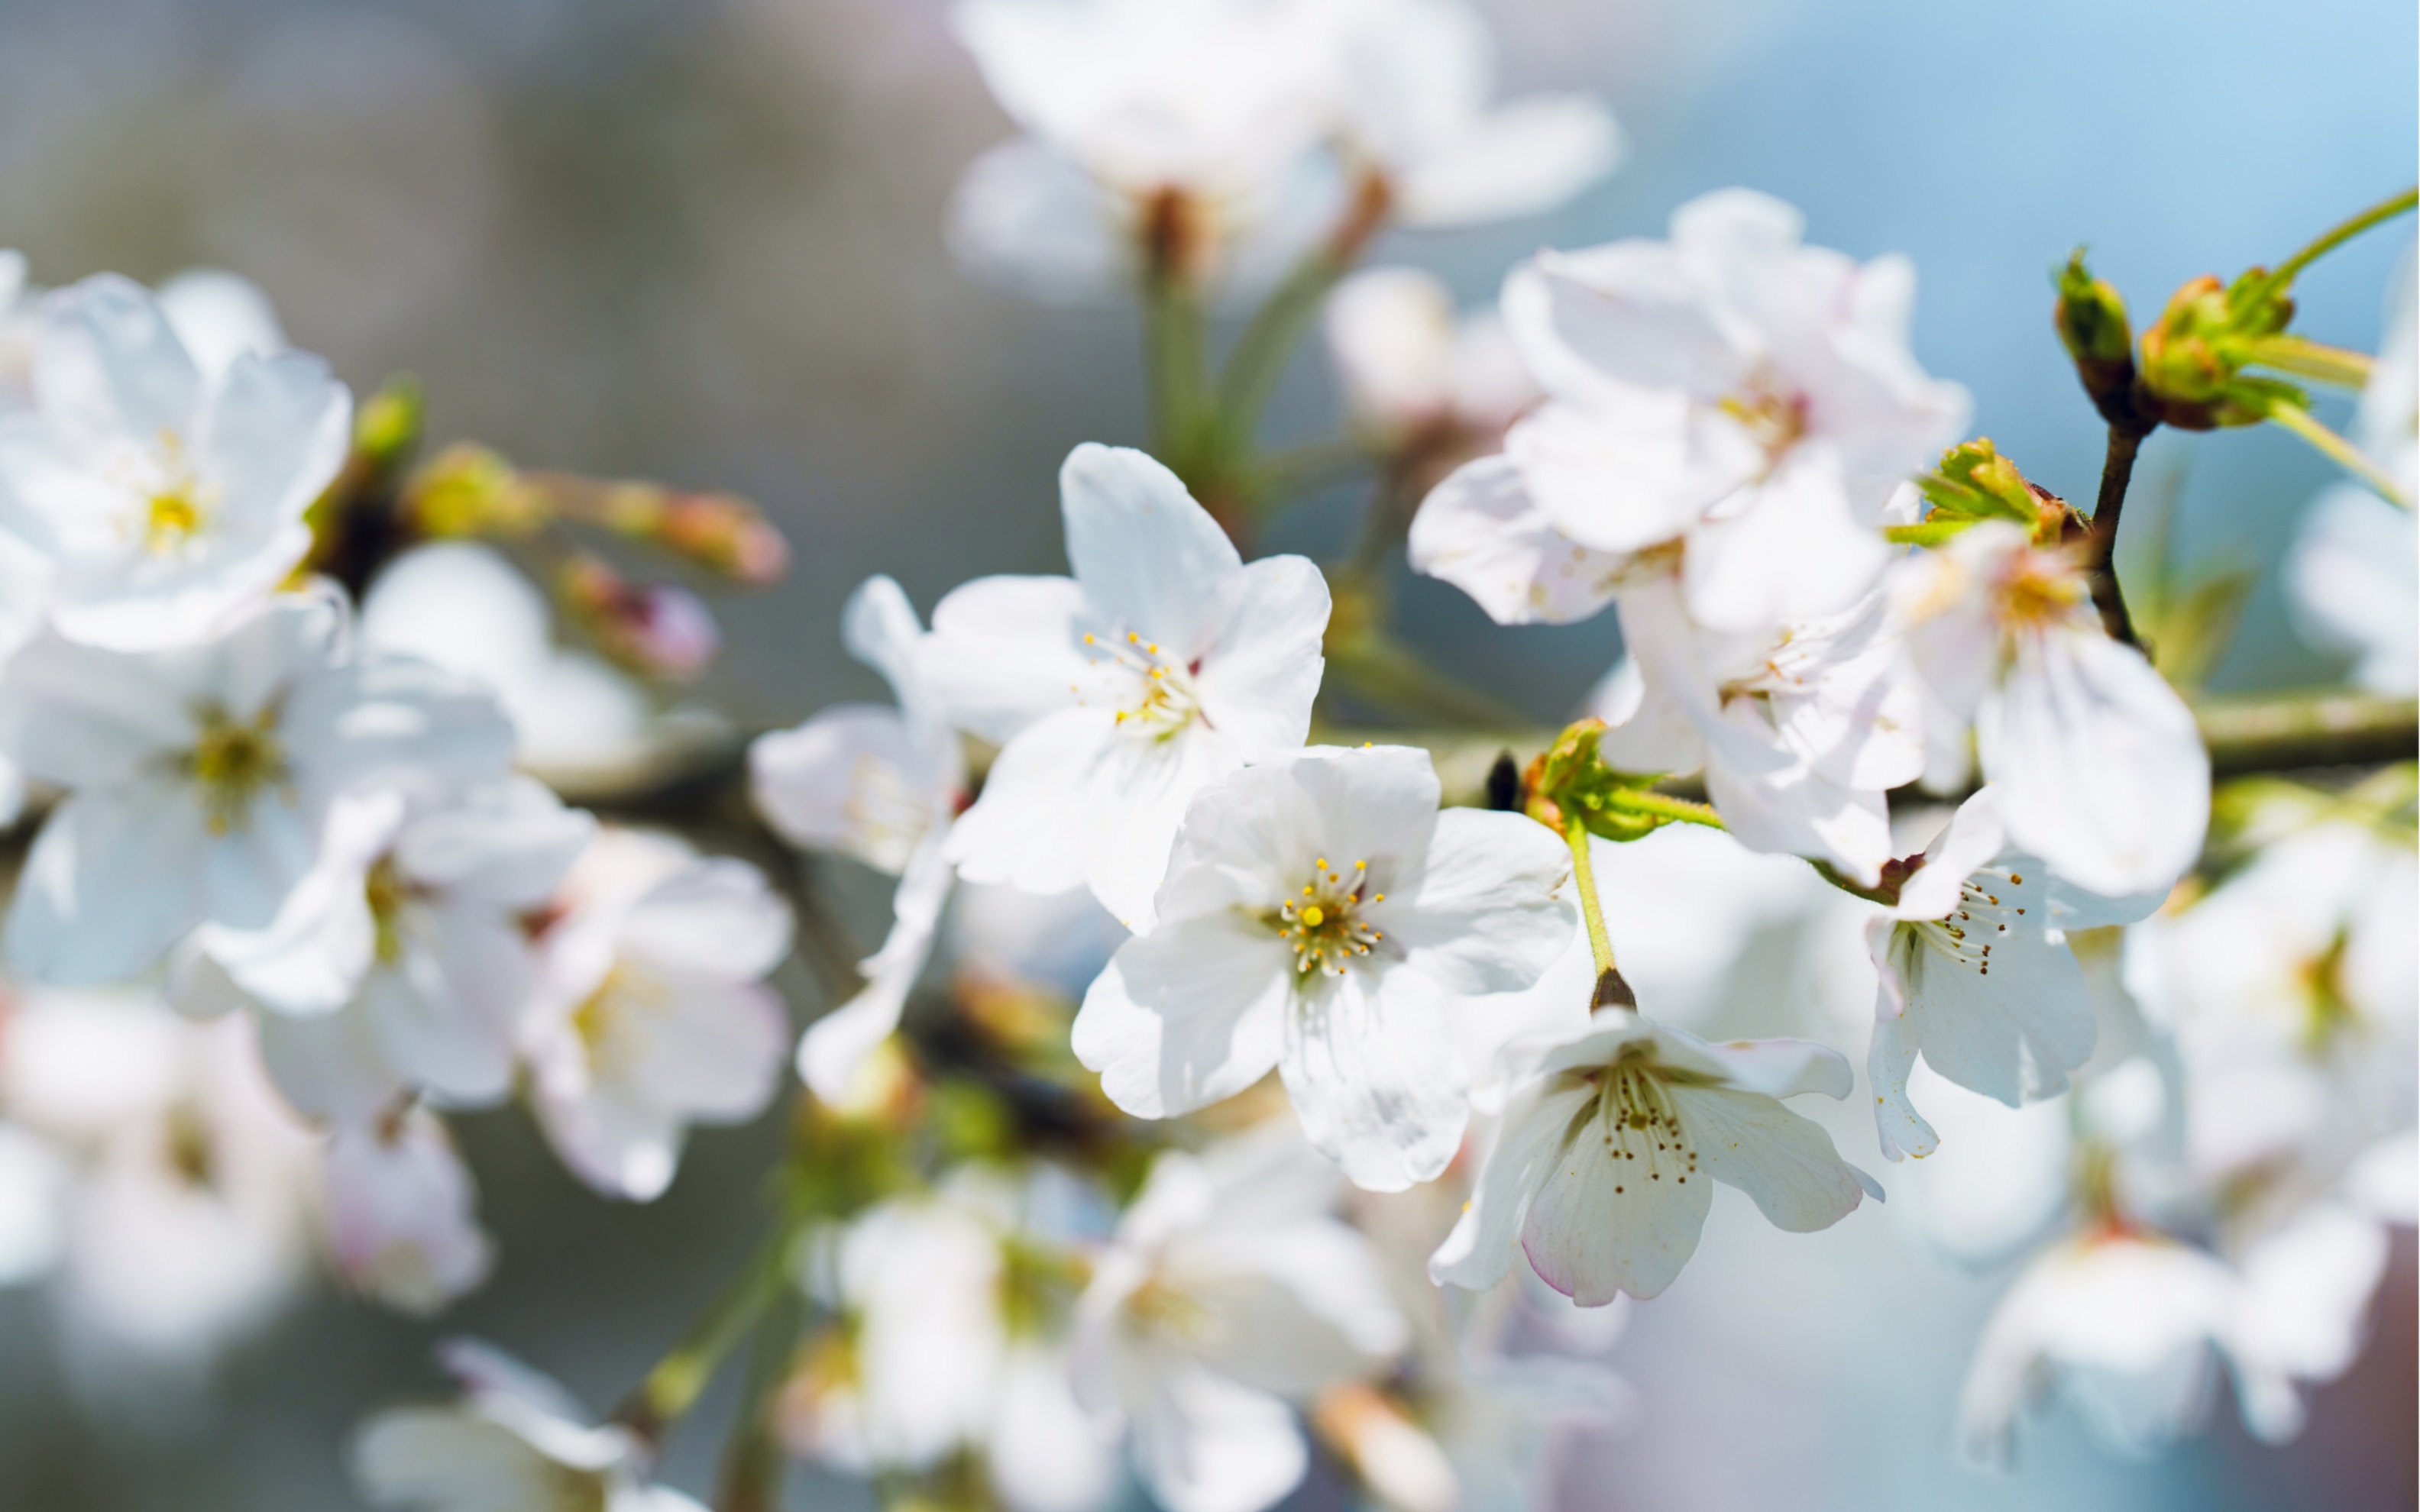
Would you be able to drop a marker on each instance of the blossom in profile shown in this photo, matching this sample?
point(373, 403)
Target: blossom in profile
point(514, 1439)
point(398, 1202)
point(881, 785)
point(199, 778)
point(1322, 918)
point(1975, 974)
point(1164, 664)
point(1230, 1293)
point(1800, 732)
point(166, 500)
point(651, 1012)
point(403, 964)
point(1604, 1167)
point(1424, 386)
point(1730, 401)
point(2099, 763)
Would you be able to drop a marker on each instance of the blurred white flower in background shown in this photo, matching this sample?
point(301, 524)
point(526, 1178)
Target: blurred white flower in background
point(651, 1012)
point(403, 962)
point(2099, 763)
point(1165, 663)
point(880, 785)
point(199, 778)
point(1590, 1172)
point(1230, 1292)
point(168, 497)
point(2353, 578)
point(515, 1439)
point(1323, 917)
point(1411, 365)
point(399, 1212)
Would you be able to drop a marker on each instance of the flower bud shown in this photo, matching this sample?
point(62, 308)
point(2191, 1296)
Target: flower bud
point(468, 490)
point(725, 533)
point(2092, 325)
point(387, 426)
point(1974, 481)
point(653, 629)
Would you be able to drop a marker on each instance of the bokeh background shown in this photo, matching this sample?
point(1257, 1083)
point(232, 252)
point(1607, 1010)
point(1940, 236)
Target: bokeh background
point(700, 240)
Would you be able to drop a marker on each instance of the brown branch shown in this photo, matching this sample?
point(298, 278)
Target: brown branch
point(2100, 549)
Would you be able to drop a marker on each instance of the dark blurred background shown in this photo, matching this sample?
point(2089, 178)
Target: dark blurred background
point(700, 240)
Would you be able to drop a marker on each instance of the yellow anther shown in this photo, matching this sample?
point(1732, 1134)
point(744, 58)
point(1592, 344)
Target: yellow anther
point(1321, 863)
point(1133, 640)
point(1314, 916)
point(1360, 866)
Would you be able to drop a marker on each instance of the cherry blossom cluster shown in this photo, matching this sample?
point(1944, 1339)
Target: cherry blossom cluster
point(1244, 1086)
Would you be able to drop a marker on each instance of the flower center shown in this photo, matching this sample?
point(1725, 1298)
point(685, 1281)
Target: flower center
point(177, 506)
point(1170, 1312)
point(1166, 700)
point(1640, 1127)
point(1967, 935)
point(232, 761)
point(1324, 922)
point(600, 1021)
point(387, 892)
point(2040, 589)
point(1774, 419)
point(884, 813)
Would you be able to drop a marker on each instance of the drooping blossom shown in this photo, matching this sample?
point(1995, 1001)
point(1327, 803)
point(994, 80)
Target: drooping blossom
point(514, 1439)
point(1229, 1292)
point(1164, 664)
point(2129, 1329)
point(1320, 917)
point(1800, 732)
point(1975, 974)
point(1424, 387)
point(651, 1012)
point(167, 501)
point(880, 785)
point(1604, 1167)
point(1730, 404)
point(398, 1200)
point(200, 777)
point(2099, 767)
point(403, 964)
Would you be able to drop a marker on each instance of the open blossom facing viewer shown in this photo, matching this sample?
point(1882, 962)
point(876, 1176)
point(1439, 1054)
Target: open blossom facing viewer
point(651, 1012)
point(1322, 917)
point(1975, 974)
point(881, 785)
point(167, 500)
point(516, 1440)
point(2099, 767)
point(1165, 663)
point(1603, 1168)
point(200, 777)
point(1731, 397)
point(1231, 1290)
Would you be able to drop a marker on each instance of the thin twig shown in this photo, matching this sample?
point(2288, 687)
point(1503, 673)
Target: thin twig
point(2108, 508)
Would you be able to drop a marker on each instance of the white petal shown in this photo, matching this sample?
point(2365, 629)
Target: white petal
point(717, 917)
point(2100, 767)
point(1481, 530)
point(110, 363)
point(1026, 219)
point(329, 1067)
point(1890, 1061)
point(1004, 652)
point(836, 1045)
point(114, 880)
point(850, 779)
point(1798, 550)
point(1205, 1445)
point(1188, 1015)
point(1785, 1162)
point(399, 1215)
point(1032, 829)
point(1258, 680)
point(1150, 559)
point(1601, 1225)
point(1527, 157)
point(1529, 1144)
point(1487, 914)
point(1375, 1072)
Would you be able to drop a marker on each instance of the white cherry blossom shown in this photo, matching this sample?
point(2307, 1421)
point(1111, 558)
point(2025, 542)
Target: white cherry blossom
point(515, 1439)
point(1231, 1290)
point(651, 1012)
point(1164, 664)
point(881, 785)
point(168, 501)
point(1412, 368)
point(1321, 918)
point(1967, 909)
point(1800, 732)
point(1731, 398)
point(399, 1212)
point(200, 777)
point(1178, 130)
point(403, 961)
point(1604, 1167)
point(1416, 77)
point(2100, 765)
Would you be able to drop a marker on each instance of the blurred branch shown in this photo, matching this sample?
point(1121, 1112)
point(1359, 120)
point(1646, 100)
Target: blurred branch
point(752, 1460)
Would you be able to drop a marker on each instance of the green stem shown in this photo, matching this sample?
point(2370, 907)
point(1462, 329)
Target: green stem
point(1173, 349)
point(1665, 806)
point(1576, 835)
point(1266, 346)
point(2313, 360)
point(2330, 240)
point(2336, 449)
point(673, 1387)
point(752, 1460)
